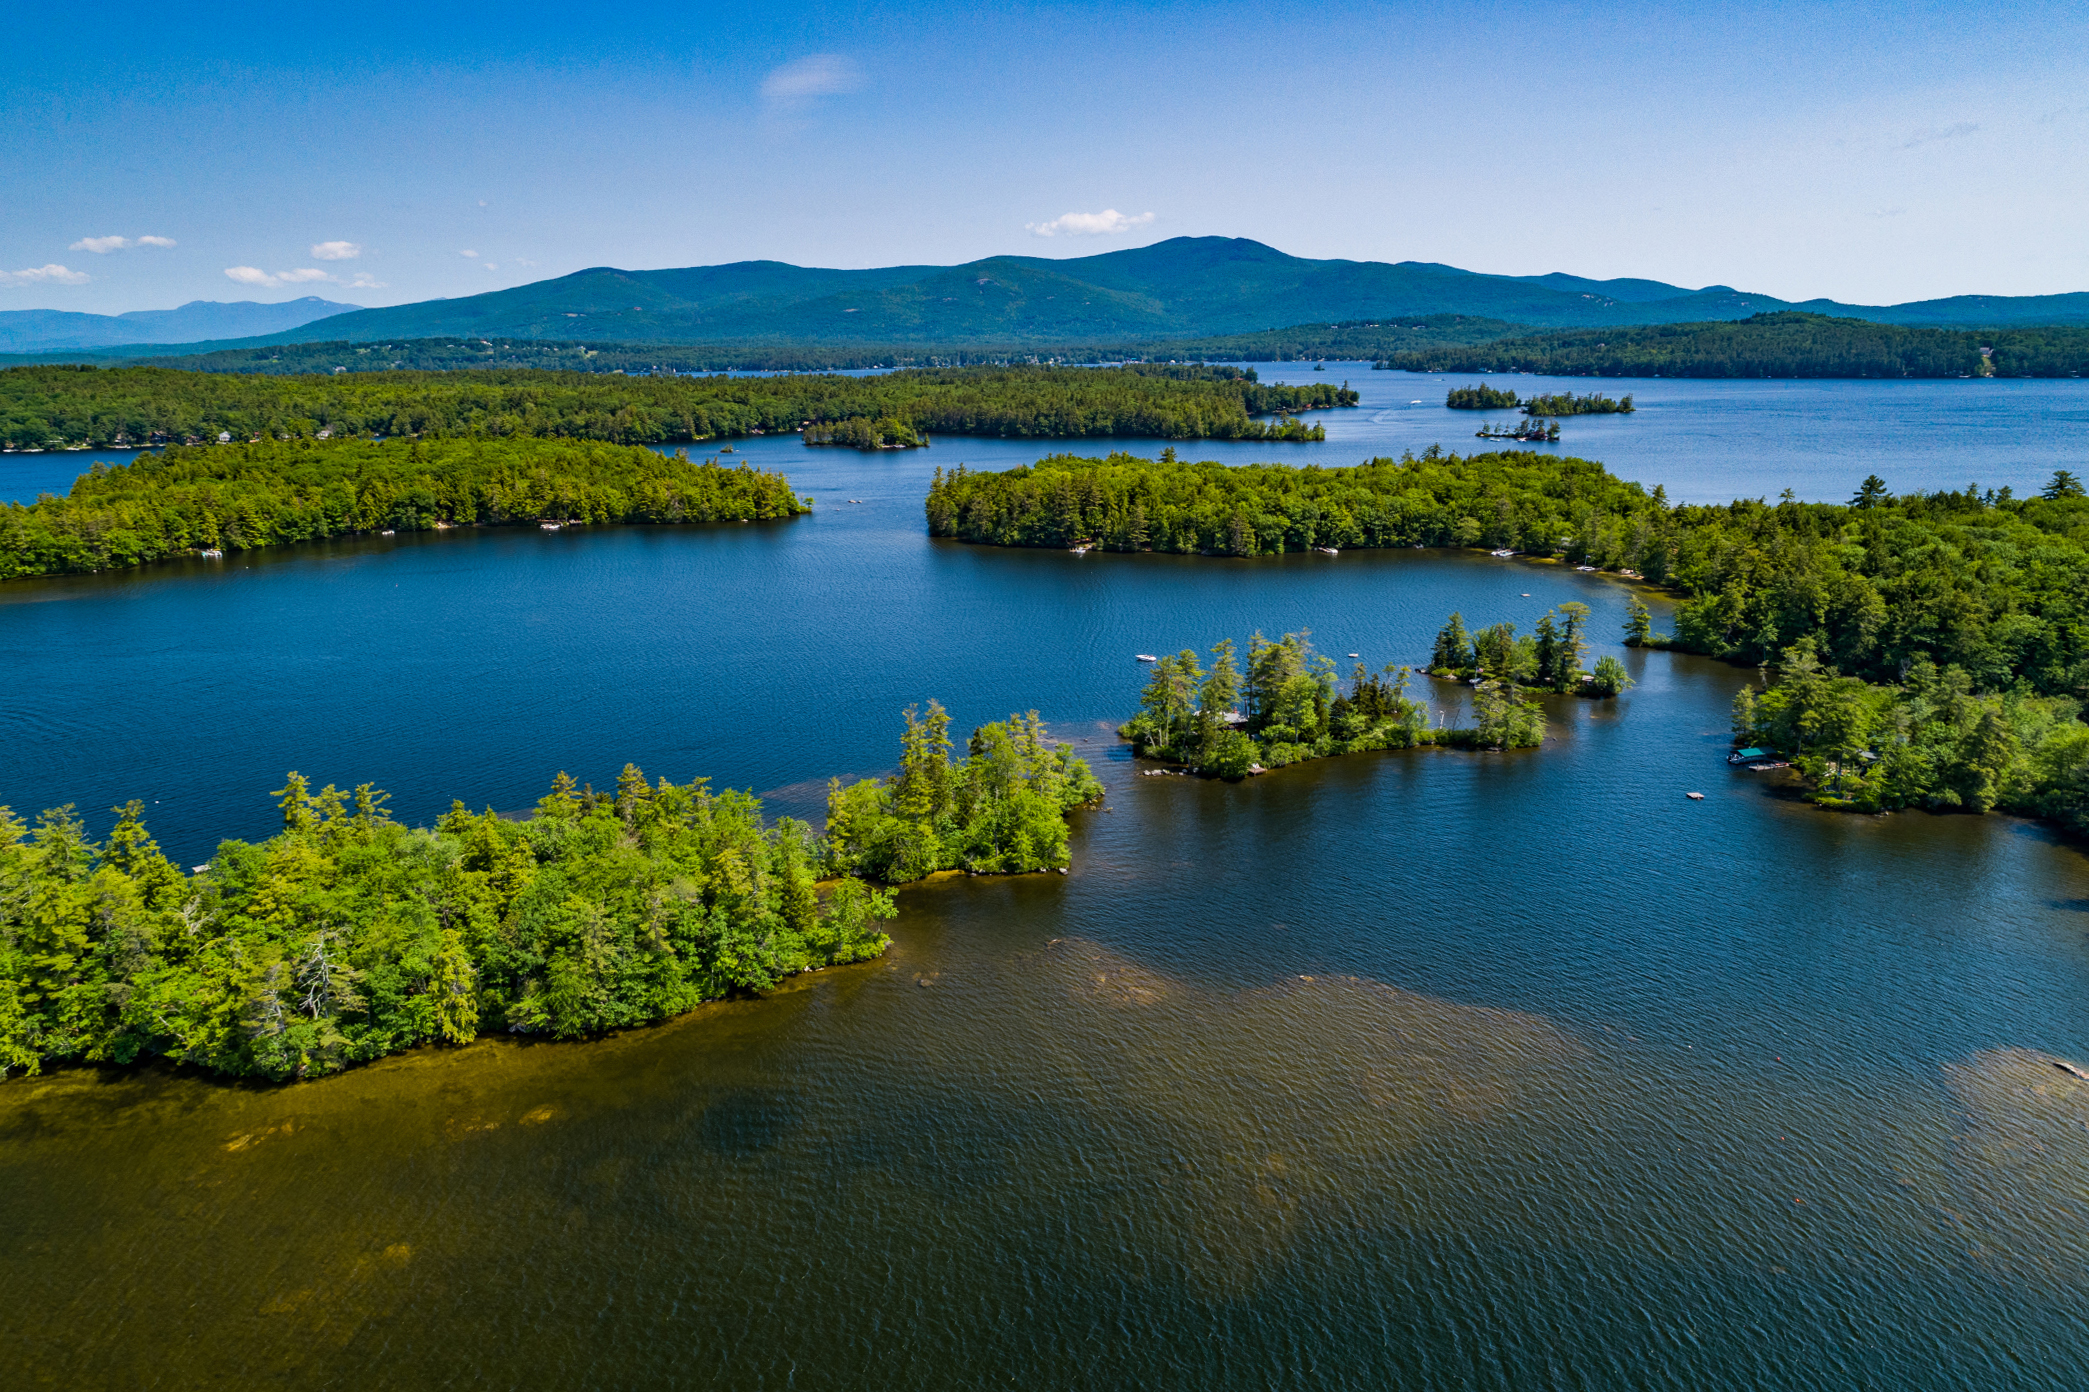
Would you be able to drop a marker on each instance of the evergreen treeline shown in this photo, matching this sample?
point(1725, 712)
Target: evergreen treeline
point(47, 407)
point(1287, 707)
point(1787, 343)
point(1547, 659)
point(240, 496)
point(1927, 740)
point(1568, 404)
point(999, 810)
point(1520, 498)
point(1355, 339)
point(1480, 398)
point(348, 936)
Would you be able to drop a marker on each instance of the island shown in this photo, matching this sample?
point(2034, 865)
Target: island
point(349, 935)
point(1287, 708)
point(236, 497)
point(1530, 431)
point(1589, 404)
point(1480, 398)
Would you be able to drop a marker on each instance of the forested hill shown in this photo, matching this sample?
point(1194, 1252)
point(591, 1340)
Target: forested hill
point(46, 407)
point(1185, 287)
point(1357, 340)
point(1787, 343)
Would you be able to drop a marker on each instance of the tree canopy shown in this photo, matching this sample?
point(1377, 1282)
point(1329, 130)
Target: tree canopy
point(348, 935)
point(1786, 343)
point(241, 496)
point(44, 407)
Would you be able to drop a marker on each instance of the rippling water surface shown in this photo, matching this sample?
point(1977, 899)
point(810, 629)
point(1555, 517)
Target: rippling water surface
point(1410, 1069)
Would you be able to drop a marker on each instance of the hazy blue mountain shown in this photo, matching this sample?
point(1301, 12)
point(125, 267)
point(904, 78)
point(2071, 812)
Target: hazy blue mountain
point(1183, 288)
point(57, 330)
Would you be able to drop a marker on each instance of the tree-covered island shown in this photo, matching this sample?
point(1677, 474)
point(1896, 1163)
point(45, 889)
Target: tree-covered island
point(1480, 398)
point(1586, 404)
point(1548, 658)
point(240, 496)
point(75, 407)
point(348, 935)
point(1287, 707)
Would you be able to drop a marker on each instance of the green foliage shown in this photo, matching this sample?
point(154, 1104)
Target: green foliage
point(1519, 499)
point(1639, 623)
point(1786, 343)
point(1292, 709)
point(1000, 810)
point(45, 406)
point(1549, 659)
point(236, 497)
point(348, 936)
point(1929, 740)
point(1568, 404)
point(1609, 678)
point(1480, 398)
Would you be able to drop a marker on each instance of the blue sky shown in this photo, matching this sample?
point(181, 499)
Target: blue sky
point(385, 153)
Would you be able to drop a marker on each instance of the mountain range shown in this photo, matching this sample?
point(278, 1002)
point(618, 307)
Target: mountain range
point(1185, 287)
point(60, 330)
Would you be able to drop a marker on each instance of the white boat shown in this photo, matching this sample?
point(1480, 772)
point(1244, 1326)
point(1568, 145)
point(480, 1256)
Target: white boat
point(211, 553)
point(548, 526)
point(1356, 654)
point(1327, 550)
point(1146, 657)
point(1585, 568)
point(1503, 552)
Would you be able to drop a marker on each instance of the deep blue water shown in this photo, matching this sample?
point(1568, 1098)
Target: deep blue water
point(1415, 1069)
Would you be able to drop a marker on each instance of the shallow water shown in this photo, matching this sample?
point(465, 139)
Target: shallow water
point(1418, 1068)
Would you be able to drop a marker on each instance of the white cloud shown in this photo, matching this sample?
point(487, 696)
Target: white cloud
point(52, 274)
point(335, 251)
point(469, 255)
point(491, 267)
point(102, 246)
point(253, 275)
point(802, 81)
point(1088, 224)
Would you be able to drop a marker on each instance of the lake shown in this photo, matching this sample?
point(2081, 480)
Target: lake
point(1705, 441)
point(1407, 1069)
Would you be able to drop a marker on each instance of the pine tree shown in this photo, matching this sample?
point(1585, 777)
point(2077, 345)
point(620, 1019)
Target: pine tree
point(1639, 623)
point(1453, 650)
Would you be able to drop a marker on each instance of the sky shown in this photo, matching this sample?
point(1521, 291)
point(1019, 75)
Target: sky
point(384, 153)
